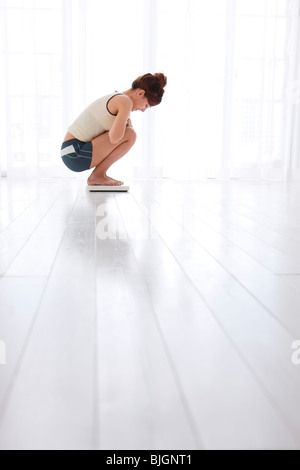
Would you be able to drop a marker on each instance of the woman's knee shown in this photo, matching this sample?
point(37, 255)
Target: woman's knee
point(130, 134)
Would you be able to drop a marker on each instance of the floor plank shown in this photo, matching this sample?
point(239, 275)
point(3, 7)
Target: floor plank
point(221, 217)
point(52, 401)
point(140, 403)
point(273, 292)
point(161, 319)
point(15, 236)
point(19, 300)
point(180, 304)
point(45, 239)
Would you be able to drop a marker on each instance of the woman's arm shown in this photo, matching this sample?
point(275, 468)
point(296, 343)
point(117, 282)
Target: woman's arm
point(117, 131)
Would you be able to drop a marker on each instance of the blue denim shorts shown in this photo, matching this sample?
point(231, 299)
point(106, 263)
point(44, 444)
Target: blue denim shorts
point(77, 155)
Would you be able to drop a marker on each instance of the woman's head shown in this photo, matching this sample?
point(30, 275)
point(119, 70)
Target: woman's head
point(149, 89)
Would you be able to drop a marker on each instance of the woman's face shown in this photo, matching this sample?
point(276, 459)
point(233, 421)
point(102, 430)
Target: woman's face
point(140, 102)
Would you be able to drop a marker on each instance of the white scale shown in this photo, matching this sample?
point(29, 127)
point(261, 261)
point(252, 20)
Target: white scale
point(108, 188)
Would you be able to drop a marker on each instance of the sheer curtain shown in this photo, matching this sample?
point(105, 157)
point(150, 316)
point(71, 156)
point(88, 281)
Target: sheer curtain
point(56, 57)
point(32, 85)
point(231, 108)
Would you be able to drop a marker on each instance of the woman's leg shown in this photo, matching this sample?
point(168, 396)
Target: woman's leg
point(105, 154)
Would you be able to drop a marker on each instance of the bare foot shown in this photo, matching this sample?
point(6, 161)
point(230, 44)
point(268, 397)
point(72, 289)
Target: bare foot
point(102, 181)
point(120, 183)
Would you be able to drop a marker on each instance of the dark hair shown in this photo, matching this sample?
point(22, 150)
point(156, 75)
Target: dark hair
point(153, 86)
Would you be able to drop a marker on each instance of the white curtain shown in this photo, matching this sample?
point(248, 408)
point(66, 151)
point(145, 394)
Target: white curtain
point(231, 107)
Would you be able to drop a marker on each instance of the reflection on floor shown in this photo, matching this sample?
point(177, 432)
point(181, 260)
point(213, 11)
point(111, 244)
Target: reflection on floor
point(163, 318)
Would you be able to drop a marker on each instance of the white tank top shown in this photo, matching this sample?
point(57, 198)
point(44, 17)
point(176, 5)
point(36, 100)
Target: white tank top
point(94, 120)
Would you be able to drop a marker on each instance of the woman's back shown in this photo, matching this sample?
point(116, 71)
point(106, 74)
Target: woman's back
point(94, 120)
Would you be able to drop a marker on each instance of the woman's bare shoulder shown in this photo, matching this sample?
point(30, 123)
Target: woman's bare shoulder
point(119, 102)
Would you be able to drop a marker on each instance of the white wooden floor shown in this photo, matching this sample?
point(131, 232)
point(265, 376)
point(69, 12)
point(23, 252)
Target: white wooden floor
point(159, 319)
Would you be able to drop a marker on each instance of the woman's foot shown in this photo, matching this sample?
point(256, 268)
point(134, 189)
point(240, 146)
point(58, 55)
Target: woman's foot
point(120, 183)
point(103, 181)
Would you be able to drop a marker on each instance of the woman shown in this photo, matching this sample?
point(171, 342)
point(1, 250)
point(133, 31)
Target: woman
point(103, 133)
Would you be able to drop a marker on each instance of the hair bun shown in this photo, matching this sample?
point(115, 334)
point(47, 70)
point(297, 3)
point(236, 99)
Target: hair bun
point(153, 86)
point(162, 78)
